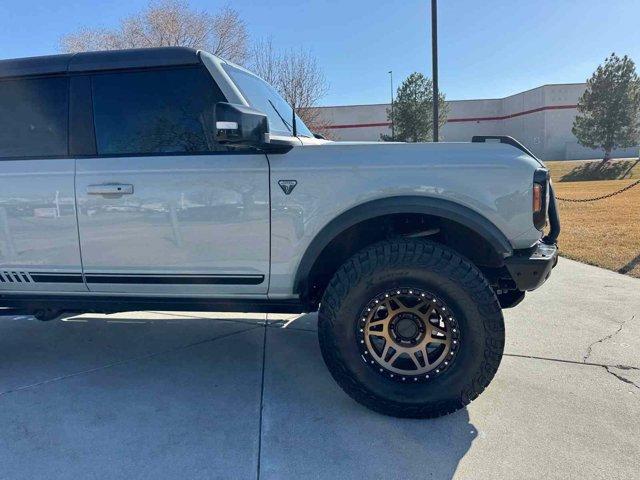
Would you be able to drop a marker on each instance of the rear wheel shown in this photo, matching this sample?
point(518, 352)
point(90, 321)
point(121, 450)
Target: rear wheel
point(410, 328)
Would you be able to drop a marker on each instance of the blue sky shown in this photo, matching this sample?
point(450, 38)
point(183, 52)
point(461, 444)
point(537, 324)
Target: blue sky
point(488, 48)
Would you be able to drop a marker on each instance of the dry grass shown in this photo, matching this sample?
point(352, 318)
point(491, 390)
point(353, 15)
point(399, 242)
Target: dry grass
point(588, 170)
point(605, 233)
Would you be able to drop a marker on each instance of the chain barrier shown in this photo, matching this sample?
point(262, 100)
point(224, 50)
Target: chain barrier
point(602, 197)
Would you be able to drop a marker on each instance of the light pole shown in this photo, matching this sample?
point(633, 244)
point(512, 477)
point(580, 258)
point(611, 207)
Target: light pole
point(393, 137)
point(434, 60)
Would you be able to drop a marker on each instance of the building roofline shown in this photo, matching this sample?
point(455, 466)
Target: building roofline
point(462, 100)
point(354, 105)
point(542, 86)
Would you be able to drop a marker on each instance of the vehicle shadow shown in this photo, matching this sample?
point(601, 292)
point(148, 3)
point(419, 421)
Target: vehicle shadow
point(588, 171)
point(313, 429)
point(190, 395)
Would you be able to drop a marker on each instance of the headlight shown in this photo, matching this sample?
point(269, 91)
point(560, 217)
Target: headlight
point(539, 198)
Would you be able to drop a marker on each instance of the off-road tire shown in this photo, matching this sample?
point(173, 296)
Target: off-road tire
point(431, 267)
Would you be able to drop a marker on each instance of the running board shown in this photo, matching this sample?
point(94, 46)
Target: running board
point(112, 303)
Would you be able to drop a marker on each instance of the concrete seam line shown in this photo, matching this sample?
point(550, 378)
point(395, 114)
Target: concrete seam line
point(264, 356)
point(574, 362)
point(123, 362)
point(607, 368)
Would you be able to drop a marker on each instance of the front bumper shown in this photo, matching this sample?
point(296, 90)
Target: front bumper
point(530, 268)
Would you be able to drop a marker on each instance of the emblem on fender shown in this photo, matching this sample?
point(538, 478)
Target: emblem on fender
point(287, 186)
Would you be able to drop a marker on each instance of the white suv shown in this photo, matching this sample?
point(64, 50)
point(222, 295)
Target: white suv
point(171, 179)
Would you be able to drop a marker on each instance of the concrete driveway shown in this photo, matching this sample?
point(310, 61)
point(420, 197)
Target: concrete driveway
point(179, 395)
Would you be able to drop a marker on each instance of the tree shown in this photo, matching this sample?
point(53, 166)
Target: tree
point(297, 77)
point(609, 108)
point(168, 23)
point(412, 113)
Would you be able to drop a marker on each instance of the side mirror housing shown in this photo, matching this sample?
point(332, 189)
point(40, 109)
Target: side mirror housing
point(241, 125)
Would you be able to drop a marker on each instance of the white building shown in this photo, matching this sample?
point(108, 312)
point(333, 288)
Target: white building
point(540, 118)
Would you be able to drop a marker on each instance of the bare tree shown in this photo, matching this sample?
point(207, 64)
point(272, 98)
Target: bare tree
point(265, 61)
point(168, 23)
point(297, 77)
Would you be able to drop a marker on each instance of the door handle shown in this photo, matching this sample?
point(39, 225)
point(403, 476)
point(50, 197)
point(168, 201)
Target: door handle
point(110, 189)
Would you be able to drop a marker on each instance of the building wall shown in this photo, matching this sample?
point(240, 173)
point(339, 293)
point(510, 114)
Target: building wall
point(540, 118)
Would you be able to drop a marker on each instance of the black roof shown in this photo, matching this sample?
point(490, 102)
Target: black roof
point(95, 61)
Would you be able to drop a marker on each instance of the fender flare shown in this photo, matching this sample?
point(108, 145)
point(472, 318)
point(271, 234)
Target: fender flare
point(403, 204)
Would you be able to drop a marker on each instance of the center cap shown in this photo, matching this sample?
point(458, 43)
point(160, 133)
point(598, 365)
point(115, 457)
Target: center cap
point(407, 327)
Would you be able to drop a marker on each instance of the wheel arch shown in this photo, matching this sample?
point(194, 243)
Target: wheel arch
point(371, 210)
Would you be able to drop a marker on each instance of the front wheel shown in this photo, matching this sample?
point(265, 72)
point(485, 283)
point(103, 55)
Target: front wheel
point(410, 328)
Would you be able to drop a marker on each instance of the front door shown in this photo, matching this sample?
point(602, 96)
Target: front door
point(162, 209)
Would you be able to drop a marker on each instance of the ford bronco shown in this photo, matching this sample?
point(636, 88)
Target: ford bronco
point(171, 179)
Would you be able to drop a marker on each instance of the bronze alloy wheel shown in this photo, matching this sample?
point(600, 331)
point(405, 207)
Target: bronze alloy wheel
point(408, 335)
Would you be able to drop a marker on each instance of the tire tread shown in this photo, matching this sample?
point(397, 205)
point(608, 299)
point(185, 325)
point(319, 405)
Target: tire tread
point(426, 255)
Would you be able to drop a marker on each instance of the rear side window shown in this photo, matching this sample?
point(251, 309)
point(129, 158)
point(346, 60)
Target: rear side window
point(34, 117)
point(160, 111)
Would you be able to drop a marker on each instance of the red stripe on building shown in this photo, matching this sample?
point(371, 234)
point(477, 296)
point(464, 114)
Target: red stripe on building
point(512, 115)
point(469, 119)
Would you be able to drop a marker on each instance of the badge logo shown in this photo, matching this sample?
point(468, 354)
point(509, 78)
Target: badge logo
point(287, 186)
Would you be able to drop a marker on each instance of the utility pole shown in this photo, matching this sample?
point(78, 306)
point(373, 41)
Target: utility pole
point(434, 60)
point(393, 137)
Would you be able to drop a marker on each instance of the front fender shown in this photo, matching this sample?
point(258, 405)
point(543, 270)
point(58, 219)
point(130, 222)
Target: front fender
point(393, 205)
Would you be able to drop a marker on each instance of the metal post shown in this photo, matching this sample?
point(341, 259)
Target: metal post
point(393, 137)
point(434, 59)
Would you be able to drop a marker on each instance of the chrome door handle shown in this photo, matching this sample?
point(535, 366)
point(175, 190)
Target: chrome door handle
point(110, 189)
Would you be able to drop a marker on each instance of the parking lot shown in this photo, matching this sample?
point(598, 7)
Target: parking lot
point(188, 395)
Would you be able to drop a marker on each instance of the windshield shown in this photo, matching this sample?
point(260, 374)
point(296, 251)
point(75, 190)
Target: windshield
point(264, 97)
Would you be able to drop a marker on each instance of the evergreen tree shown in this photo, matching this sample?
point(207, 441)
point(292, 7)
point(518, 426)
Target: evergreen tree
point(412, 113)
point(609, 108)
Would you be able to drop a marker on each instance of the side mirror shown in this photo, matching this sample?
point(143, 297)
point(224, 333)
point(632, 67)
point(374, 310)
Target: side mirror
point(240, 125)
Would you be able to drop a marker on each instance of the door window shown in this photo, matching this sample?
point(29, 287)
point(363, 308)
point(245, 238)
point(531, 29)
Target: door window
point(160, 111)
point(34, 116)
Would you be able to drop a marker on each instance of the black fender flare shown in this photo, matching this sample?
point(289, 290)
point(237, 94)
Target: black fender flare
point(401, 204)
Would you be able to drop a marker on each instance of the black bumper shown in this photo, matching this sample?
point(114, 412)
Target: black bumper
point(530, 268)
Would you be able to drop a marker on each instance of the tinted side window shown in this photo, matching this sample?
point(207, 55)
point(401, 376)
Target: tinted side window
point(160, 111)
point(33, 117)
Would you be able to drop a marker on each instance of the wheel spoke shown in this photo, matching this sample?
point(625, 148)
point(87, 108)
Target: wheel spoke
point(387, 304)
point(439, 331)
point(419, 305)
point(430, 310)
point(385, 351)
point(400, 303)
point(394, 357)
point(414, 358)
point(376, 333)
point(377, 323)
point(373, 328)
point(425, 356)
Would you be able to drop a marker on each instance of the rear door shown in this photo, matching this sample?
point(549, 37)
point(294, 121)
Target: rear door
point(162, 208)
point(39, 250)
